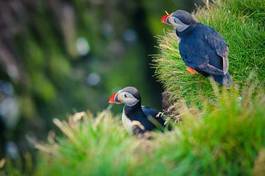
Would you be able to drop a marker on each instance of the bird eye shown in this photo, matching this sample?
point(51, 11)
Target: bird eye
point(125, 95)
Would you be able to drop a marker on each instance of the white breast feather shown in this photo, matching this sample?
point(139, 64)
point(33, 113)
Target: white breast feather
point(127, 123)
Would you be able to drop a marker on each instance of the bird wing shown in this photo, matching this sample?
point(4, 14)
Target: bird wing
point(217, 43)
point(150, 111)
point(154, 116)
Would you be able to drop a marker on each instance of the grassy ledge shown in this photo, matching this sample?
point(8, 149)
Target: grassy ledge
point(241, 22)
point(226, 138)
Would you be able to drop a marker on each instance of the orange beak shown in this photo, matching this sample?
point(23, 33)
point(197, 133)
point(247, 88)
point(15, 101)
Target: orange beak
point(112, 98)
point(164, 19)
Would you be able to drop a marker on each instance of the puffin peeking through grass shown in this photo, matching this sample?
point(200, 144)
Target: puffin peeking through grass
point(136, 118)
point(202, 49)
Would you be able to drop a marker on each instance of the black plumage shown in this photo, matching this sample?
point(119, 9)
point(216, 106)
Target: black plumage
point(149, 118)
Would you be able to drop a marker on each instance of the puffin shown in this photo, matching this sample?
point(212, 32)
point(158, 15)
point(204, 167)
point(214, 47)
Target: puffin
point(137, 119)
point(202, 49)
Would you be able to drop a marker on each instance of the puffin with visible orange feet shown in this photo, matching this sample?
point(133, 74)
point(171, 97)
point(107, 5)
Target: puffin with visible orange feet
point(202, 49)
point(136, 118)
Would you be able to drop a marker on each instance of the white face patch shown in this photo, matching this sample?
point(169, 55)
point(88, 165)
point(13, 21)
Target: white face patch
point(178, 25)
point(127, 99)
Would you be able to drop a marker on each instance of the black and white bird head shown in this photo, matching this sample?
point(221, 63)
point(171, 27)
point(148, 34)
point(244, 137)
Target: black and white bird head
point(128, 96)
point(179, 19)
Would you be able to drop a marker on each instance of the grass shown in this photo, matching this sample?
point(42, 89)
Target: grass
point(241, 24)
point(226, 138)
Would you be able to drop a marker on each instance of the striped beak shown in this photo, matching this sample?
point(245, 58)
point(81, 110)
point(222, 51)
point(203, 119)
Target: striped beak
point(164, 19)
point(113, 99)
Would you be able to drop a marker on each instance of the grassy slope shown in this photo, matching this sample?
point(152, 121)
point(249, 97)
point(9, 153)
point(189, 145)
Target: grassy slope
point(241, 22)
point(225, 139)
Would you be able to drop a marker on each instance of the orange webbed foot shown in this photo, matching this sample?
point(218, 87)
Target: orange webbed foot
point(191, 71)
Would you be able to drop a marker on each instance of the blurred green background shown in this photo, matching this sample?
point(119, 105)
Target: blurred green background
point(63, 56)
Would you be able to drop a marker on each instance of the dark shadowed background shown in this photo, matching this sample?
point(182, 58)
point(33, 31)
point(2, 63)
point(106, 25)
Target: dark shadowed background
point(62, 56)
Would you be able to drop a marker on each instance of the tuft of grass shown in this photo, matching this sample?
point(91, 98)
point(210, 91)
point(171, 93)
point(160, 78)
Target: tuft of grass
point(240, 22)
point(225, 138)
point(91, 146)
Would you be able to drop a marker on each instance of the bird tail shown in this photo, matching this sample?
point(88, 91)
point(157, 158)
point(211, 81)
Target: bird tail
point(225, 80)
